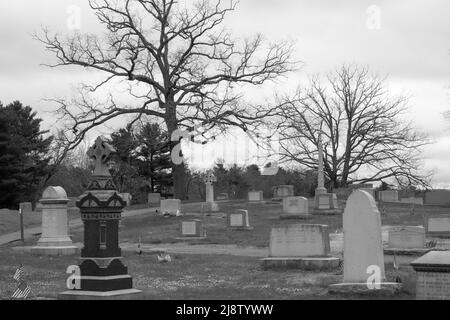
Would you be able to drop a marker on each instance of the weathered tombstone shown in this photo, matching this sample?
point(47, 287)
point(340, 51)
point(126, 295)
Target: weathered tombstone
point(437, 197)
point(26, 207)
point(126, 197)
point(154, 199)
point(437, 225)
point(55, 240)
point(171, 207)
point(211, 205)
point(282, 191)
point(295, 208)
point(406, 240)
point(192, 229)
point(255, 196)
point(363, 248)
point(302, 246)
point(238, 219)
point(102, 274)
point(222, 196)
point(433, 276)
point(388, 195)
point(412, 200)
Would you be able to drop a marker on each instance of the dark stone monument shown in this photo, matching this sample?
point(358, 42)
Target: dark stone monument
point(102, 272)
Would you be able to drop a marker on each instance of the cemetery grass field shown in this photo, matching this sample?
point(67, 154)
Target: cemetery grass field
point(188, 277)
point(207, 276)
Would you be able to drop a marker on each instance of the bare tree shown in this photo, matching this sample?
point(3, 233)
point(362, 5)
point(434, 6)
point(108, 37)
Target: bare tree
point(365, 138)
point(180, 64)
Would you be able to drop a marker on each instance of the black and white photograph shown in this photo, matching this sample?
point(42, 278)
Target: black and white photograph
point(224, 156)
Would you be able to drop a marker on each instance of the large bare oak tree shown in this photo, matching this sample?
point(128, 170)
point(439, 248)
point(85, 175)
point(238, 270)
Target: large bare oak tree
point(180, 62)
point(366, 137)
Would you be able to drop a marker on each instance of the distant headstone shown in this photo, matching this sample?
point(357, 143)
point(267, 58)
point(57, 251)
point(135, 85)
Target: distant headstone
point(295, 207)
point(388, 195)
point(26, 207)
point(406, 240)
point(437, 197)
point(192, 229)
point(154, 199)
point(238, 219)
point(363, 247)
point(55, 238)
point(255, 196)
point(209, 180)
point(127, 198)
point(412, 200)
point(222, 196)
point(171, 206)
point(303, 246)
point(433, 276)
point(283, 191)
point(437, 225)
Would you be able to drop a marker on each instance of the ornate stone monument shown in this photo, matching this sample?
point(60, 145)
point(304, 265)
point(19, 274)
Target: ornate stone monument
point(55, 238)
point(102, 272)
point(210, 205)
point(325, 203)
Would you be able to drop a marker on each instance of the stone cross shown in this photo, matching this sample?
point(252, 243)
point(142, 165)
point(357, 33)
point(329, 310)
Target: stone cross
point(100, 152)
point(320, 176)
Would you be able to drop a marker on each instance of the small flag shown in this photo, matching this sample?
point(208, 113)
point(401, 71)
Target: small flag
point(22, 291)
point(18, 274)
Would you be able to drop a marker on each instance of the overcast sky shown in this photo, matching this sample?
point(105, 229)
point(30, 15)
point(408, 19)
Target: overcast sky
point(409, 43)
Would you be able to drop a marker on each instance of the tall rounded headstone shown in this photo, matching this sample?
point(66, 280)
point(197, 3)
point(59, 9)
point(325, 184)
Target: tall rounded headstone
point(55, 238)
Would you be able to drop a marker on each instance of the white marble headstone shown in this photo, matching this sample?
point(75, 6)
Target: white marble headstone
point(407, 237)
point(363, 247)
point(171, 206)
point(188, 228)
point(295, 205)
point(299, 240)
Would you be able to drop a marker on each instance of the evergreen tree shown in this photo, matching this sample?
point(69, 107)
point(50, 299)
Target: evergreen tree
point(23, 154)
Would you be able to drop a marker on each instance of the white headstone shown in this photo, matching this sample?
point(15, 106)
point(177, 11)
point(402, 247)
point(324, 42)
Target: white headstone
point(407, 237)
point(255, 196)
point(188, 228)
point(238, 219)
point(389, 195)
point(171, 206)
point(412, 200)
point(438, 225)
point(299, 240)
point(295, 205)
point(363, 247)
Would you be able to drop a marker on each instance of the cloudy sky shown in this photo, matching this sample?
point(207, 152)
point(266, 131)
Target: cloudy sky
point(407, 40)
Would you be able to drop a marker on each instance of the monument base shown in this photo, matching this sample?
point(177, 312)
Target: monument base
point(327, 212)
point(304, 263)
point(296, 216)
point(55, 250)
point(406, 252)
point(127, 294)
point(240, 228)
point(385, 289)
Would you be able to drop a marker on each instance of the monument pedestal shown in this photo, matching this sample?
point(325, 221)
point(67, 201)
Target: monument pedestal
point(55, 240)
point(382, 288)
point(304, 263)
point(326, 204)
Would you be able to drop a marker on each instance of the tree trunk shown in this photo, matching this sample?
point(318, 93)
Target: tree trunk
point(178, 172)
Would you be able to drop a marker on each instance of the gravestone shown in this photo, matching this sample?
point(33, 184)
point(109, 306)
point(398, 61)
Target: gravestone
point(302, 246)
point(55, 240)
point(295, 208)
point(255, 196)
point(282, 191)
point(437, 225)
point(238, 219)
point(26, 207)
point(154, 199)
point(211, 205)
point(406, 240)
point(412, 200)
point(171, 206)
point(388, 195)
point(363, 248)
point(103, 275)
point(433, 276)
point(222, 196)
point(127, 198)
point(437, 197)
point(192, 229)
